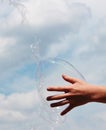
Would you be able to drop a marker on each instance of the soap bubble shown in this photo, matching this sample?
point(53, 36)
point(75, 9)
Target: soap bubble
point(49, 73)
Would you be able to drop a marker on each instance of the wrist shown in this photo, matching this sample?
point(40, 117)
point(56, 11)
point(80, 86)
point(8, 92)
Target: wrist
point(98, 94)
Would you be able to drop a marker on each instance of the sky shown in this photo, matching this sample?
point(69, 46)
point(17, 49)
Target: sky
point(74, 30)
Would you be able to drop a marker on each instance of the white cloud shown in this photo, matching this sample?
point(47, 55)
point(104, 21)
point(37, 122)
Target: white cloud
point(20, 101)
point(55, 49)
point(13, 55)
point(64, 19)
point(97, 7)
point(18, 106)
point(5, 44)
point(11, 116)
point(64, 30)
point(23, 84)
point(53, 12)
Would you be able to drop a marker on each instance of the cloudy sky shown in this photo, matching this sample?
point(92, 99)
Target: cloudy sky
point(74, 30)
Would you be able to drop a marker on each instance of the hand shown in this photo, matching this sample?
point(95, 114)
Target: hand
point(76, 94)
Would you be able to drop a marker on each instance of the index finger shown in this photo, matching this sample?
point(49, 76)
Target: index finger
point(58, 88)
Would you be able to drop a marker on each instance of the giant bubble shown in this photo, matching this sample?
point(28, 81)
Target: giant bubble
point(49, 73)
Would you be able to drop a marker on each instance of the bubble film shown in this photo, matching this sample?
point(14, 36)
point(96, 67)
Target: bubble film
point(50, 74)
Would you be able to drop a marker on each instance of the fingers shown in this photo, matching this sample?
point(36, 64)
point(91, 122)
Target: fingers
point(61, 89)
point(70, 79)
point(65, 96)
point(61, 103)
point(64, 102)
point(69, 108)
point(59, 96)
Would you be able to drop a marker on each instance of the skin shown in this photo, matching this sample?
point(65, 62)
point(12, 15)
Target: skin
point(76, 94)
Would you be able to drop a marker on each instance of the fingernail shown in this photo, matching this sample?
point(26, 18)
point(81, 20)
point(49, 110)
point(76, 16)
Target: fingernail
point(61, 114)
point(51, 105)
point(48, 88)
point(47, 98)
point(64, 76)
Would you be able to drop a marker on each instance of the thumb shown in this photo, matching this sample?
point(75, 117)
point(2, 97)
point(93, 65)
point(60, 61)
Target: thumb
point(70, 79)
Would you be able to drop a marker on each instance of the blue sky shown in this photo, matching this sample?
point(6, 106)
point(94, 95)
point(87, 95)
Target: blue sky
point(74, 30)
